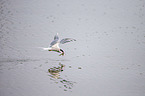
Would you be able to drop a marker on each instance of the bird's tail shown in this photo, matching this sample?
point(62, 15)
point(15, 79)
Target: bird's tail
point(44, 48)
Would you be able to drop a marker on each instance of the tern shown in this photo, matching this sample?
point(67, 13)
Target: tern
point(54, 45)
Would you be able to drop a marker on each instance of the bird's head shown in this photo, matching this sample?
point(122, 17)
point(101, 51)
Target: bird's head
point(62, 52)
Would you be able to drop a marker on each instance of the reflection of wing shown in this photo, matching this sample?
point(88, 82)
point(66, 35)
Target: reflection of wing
point(65, 40)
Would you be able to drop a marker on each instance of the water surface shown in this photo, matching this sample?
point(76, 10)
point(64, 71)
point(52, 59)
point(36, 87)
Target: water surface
point(106, 60)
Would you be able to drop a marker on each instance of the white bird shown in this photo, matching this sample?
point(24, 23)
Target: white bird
point(54, 45)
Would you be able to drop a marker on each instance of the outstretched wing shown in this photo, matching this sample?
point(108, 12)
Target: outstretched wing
point(55, 41)
point(65, 40)
point(56, 37)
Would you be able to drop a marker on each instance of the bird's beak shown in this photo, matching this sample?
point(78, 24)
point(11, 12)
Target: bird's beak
point(62, 54)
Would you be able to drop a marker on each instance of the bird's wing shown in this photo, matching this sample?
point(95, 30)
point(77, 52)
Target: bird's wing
point(65, 40)
point(56, 37)
point(55, 41)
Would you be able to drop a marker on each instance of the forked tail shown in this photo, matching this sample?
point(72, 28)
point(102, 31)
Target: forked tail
point(44, 48)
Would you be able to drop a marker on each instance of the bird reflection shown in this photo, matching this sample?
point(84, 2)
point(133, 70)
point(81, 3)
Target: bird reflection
point(54, 73)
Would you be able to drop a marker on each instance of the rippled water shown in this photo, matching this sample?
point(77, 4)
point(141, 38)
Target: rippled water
point(107, 58)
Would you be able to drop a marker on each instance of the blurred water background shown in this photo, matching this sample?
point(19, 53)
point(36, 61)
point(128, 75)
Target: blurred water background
point(108, 58)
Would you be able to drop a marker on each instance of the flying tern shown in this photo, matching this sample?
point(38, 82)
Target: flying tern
point(54, 45)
